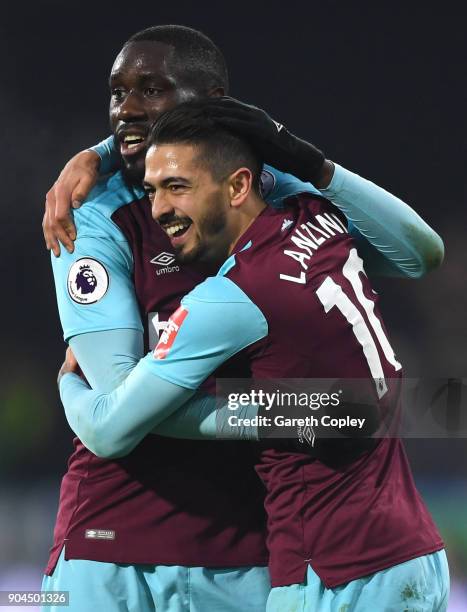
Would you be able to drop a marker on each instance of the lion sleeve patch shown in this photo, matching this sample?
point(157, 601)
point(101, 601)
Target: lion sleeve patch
point(88, 281)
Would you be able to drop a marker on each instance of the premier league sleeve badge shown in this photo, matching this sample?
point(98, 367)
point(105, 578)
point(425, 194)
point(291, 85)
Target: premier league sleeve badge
point(88, 281)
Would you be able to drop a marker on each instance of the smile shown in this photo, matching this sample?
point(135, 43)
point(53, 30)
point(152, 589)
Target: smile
point(177, 229)
point(132, 143)
point(133, 140)
point(178, 232)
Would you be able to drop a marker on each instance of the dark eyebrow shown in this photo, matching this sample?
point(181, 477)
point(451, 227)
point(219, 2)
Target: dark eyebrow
point(176, 179)
point(167, 181)
point(114, 76)
point(144, 77)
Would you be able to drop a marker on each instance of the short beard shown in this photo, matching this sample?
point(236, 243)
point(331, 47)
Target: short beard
point(213, 224)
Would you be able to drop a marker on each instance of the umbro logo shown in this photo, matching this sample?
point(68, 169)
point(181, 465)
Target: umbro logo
point(286, 223)
point(163, 259)
point(278, 125)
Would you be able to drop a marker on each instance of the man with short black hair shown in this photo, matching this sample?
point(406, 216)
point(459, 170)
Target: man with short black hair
point(196, 60)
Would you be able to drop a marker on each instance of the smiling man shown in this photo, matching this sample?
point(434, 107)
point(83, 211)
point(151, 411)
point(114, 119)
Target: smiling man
point(346, 525)
point(168, 526)
point(199, 229)
point(150, 76)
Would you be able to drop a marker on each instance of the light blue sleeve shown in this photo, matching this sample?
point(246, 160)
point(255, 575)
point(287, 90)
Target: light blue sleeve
point(205, 417)
point(111, 425)
point(107, 358)
point(392, 238)
point(110, 159)
point(277, 186)
point(94, 284)
point(216, 320)
point(94, 287)
point(387, 223)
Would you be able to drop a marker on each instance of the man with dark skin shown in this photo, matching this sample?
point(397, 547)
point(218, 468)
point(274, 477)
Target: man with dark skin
point(135, 540)
point(153, 90)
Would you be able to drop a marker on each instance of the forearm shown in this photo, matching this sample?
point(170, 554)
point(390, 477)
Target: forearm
point(112, 424)
point(110, 159)
point(106, 358)
point(386, 222)
point(204, 417)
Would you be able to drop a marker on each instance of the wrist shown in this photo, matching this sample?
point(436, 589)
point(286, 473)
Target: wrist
point(91, 159)
point(324, 177)
point(63, 371)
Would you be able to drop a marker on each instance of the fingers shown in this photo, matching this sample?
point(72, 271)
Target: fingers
point(58, 229)
point(233, 107)
point(81, 191)
point(48, 223)
point(223, 110)
point(54, 233)
point(73, 185)
point(236, 125)
point(63, 198)
point(63, 235)
point(57, 224)
point(50, 241)
point(69, 365)
point(71, 359)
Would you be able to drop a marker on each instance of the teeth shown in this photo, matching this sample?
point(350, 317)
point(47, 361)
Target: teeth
point(133, 138)
point(173, 229)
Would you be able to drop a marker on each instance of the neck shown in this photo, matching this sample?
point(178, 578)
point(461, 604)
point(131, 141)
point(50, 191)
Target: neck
point(245, 216)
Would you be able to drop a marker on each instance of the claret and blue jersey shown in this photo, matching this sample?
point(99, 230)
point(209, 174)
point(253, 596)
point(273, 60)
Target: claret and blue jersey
point(115, 229)
point(122, 275)
point(294, 302)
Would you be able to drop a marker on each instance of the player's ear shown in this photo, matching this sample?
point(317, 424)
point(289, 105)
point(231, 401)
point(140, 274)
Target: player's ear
point(240, 184)
point(216, 92)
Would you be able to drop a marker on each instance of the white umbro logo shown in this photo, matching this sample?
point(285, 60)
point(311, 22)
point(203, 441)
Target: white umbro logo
point(278, 125)
point(163, 259)
point(285, 224)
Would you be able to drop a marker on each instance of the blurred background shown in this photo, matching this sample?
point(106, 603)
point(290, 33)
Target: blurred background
point(377, 86)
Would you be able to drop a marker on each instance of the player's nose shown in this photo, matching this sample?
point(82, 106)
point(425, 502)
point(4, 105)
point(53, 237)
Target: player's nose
point(131, 108)
point(160, 206)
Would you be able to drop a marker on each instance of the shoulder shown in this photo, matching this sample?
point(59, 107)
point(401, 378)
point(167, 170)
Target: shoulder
point(222, 304)
point(215, 321)
point(277, 186)
point(94, 217)
point(286, 245)
point(217, 290)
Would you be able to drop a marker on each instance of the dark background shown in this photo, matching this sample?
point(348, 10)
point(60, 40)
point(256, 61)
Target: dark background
point(380, 87)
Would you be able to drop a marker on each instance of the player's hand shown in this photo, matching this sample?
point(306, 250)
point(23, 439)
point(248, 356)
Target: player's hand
point(76, 180)
point(69, 365)
point(273, 142)
point(336, 430)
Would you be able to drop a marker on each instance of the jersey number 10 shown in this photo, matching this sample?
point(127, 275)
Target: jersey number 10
point(331, 295)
